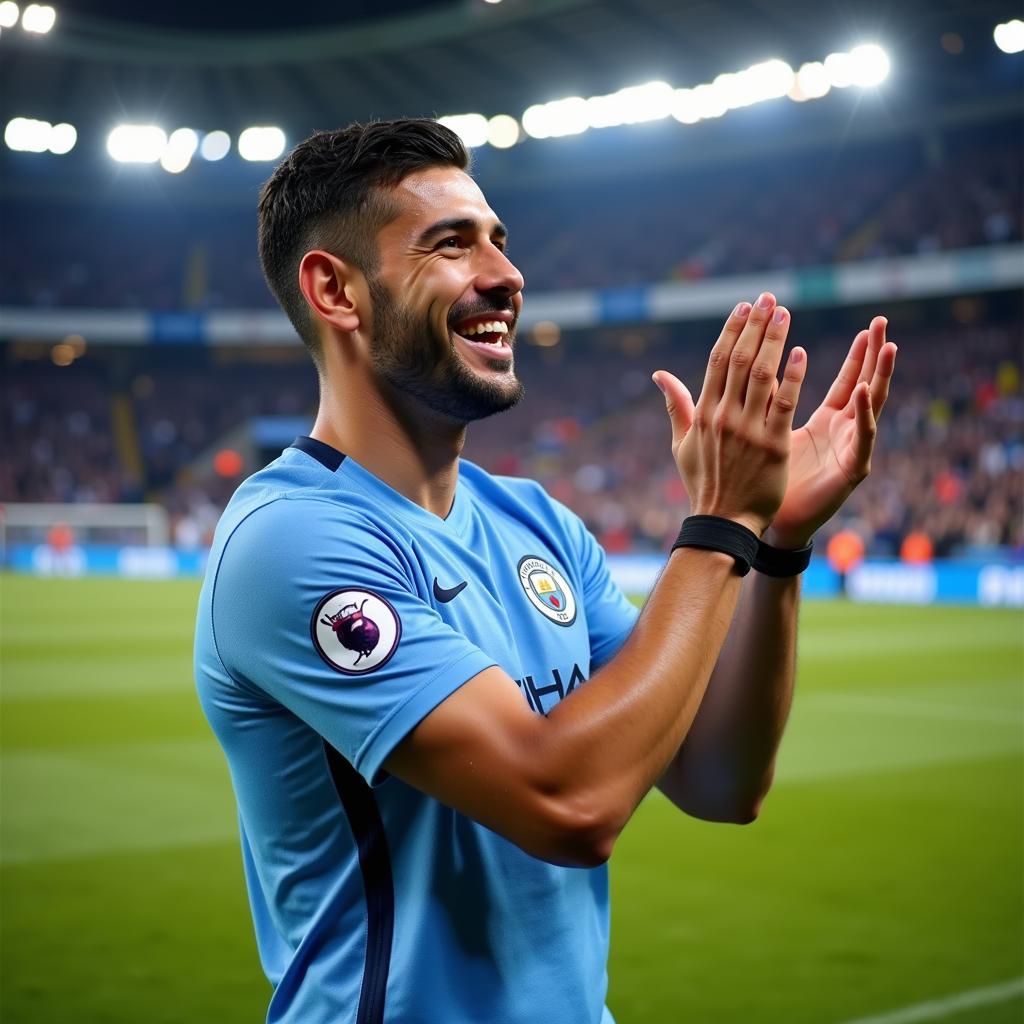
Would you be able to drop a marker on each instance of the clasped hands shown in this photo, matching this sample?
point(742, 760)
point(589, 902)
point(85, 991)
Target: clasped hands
point(736, 448)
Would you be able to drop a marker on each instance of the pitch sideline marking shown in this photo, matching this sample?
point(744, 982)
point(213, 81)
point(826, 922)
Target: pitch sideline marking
point(938, 1008)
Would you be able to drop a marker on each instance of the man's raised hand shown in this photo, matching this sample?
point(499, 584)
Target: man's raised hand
point(831, 453)
point(732, 448)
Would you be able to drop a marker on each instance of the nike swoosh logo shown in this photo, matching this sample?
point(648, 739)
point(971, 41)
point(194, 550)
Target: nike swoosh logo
point(445, 595)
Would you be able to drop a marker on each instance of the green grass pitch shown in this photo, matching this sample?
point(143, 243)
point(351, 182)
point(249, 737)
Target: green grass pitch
point(885, 870)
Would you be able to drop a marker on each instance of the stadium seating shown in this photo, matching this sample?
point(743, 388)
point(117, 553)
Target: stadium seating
point(591, 428)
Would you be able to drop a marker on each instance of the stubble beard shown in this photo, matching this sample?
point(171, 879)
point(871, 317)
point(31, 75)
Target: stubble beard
point(410, 356)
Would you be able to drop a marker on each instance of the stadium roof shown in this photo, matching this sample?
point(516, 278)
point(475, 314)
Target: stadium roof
point(320, 64)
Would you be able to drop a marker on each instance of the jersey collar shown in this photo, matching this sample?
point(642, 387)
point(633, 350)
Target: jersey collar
point(330, 458)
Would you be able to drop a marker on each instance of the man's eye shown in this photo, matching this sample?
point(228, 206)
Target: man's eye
point(452, 242)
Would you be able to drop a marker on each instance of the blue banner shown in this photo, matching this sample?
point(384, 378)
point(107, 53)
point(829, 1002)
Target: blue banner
point(991, 583)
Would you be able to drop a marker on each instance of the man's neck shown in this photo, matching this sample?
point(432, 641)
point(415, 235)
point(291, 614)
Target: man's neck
point(399, 442)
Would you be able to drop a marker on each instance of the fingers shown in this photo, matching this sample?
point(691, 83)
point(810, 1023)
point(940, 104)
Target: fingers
point(718, 361)
point(842, 387)
point(883, 375)
point(765, 367)
point(746, 349)
point(783, 407)
point(678, 402)
point(866, 427)
point(876, 339)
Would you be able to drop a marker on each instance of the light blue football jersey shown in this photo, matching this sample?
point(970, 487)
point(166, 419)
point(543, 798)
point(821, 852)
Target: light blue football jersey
point(335, 615)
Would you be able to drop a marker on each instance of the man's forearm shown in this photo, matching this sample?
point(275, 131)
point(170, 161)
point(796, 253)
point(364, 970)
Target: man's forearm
point(725, 765)
point(637, 709)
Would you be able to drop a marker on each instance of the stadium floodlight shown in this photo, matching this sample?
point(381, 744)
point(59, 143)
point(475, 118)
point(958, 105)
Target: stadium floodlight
point(136, 143)
point(502, 131)
point(38, 18)
point(685, 107)
point(28, 135)
point(63, 137)
point(709, 102)
point(866, 65)
point(9, 14)
point(471, 128)
point(840, 70)
point(769, 80)
point(177, 154)
point(870, 65)
point(215, 145)
point(261, 142)
point(765, 81)
point(811, 82)
point(1009, 36)
point(635, 104)
point(558, 118)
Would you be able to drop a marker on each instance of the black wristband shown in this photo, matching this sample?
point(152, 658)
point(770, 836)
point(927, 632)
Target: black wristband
point(714, 533)
point(781, 562)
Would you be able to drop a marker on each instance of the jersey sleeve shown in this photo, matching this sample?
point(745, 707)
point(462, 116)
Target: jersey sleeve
point(316, 607)
point(610, 615)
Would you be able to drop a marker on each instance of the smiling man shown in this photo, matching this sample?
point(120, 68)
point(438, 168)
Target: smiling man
point(437, 709)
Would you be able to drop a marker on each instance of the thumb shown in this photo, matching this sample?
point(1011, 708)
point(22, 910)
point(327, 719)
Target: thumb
point(678, 402)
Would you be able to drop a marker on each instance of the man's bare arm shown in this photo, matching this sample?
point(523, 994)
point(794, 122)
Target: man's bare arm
point(726, 764)
point(727, 761)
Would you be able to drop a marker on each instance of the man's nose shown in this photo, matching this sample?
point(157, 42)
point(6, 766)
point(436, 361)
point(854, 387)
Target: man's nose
point(498, 273)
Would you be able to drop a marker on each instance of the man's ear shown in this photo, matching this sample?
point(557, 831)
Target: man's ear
point(328, 283)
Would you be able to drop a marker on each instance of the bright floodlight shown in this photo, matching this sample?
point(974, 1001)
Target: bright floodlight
point(136, 143)
point(557, 118)
point(261, 143)
point(840, 70)
point(1009, 36)
point(177, 154)
point(685, 107)
point(38, 18)
point(709, 101)
point(765, 81)
point(27, 135)
point(811, 82)
point(8, 14)
point(502, 131)
point(471, 128)
point(215, 145)
point(62, 138)
point(870, 65)
point(632, 105)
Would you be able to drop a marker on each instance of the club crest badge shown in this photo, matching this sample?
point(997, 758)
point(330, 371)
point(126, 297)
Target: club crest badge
point(547, 590)
point(355, 631)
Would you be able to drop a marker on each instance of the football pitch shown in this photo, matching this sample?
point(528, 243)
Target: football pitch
point(885, 871)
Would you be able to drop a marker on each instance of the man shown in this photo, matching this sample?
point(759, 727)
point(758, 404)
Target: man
point(437, 709)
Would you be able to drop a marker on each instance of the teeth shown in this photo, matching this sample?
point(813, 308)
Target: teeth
point(492, 327)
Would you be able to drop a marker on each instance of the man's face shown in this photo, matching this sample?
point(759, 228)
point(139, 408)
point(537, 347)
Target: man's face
point(446, 299)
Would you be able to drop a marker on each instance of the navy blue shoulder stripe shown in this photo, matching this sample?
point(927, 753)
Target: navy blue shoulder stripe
point(323, 453)
point(360, 806)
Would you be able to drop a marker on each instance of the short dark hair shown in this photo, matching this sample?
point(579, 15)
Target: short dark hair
point(330, 193)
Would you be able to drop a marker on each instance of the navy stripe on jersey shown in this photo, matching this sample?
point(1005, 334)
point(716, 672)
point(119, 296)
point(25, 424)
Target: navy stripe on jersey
point(364, 819)
point(323, 453)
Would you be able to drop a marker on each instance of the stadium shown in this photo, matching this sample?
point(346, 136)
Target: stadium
point(655, 163)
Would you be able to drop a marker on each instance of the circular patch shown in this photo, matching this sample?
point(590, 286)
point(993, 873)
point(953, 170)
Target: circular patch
point(355, 631)
point(547, 590)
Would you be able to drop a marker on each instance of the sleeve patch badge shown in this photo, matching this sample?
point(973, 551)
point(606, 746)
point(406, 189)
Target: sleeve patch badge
point(547, 590)
point(355, 631)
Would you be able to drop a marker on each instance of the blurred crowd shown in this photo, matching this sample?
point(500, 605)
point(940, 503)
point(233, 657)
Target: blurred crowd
point(949, 465)
point(592, 428)
point(810, 209)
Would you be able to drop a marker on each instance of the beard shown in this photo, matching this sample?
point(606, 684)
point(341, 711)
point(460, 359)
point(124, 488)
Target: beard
point(411, 356)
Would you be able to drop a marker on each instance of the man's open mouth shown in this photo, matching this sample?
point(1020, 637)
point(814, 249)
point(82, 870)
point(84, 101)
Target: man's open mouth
point(487, 332)
point(490, 332)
